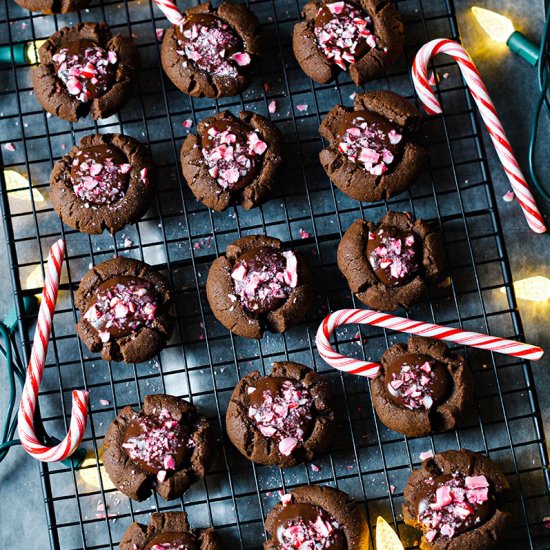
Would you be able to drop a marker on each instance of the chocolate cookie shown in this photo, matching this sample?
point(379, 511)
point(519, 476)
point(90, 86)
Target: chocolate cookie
point(316, 516)
point(47, 7)
point(84, 70)
point(211, 52)
point(169, 530)
point(104, 183)
point(393, 263)
point(257, 286)
point(455, 499)
point(165, 447)
point(125, 309)
point(423, 388)
point(283, 419)
point(373, 152)
point(232, 160)
point(363, 37)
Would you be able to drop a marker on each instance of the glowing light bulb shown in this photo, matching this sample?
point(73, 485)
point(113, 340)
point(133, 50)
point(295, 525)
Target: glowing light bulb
point(32, 51)
point(386, 537)
point(16, 183)
point(90, 476)
point(533, 289)
point(497, 26)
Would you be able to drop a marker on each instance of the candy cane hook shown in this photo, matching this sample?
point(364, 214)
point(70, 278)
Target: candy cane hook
point(488, 113)
point(371, 369)
point(79, 413)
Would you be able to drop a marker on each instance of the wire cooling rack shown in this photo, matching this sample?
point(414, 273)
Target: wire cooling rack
point(204, 361)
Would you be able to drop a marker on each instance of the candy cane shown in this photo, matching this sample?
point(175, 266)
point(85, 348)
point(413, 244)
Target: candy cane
point(488, 112)
point(79, 413)
point(400, 324)
point(172, 12)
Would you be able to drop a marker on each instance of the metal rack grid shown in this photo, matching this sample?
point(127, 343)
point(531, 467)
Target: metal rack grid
point(180, 236)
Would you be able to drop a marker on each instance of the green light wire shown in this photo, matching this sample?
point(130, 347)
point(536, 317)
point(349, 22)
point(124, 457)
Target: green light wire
point(15, 370)
point(542, 78)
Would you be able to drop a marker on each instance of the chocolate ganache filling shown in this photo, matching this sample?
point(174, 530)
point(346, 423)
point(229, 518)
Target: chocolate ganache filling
point(233, 153)
point(173, 541)
point(282, 409)
point(416, 381)
point(156, 443)
point(212, 45)
point(369, 140)
point(121, 306)
point(394, 255)
point(263, 279)
point(452, 504)
point(85, 68)
point(100, 174)
point(307, 526)
point(344, 32)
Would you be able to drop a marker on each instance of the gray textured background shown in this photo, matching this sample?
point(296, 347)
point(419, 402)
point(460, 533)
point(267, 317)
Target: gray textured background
point(511, 83)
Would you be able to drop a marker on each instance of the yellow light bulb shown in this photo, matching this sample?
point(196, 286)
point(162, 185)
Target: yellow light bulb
point(88, 473)
point(497, 26)
point(534, 289)
point(32, 51)
point(16, 183)
point(386, 537)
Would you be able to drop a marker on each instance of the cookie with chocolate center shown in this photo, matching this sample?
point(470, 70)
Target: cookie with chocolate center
point(210, 54)
point(257, 285)
point(169, 531)
point(84, 70)
point(125, 309)
point(455, 499)
point(106, 182)
point(232, 160)
point(284, 418)
point(423, 388)
point(165, 447)
point(373, 151)
point(392, 263)
point(362, 37)
point(48, 7)
point(316, 516)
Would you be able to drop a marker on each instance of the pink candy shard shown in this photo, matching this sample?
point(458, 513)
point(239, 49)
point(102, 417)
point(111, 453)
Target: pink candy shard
point(509, 196)
point(336, 7)
point(302, 107)
point(291, 272)
point(9, 147)
point(430, 535)
point(159, 33)
point(169, 462)
point(112, 57)
point(161, 476)
point(287, 445)
point(250, 390)
point(394, 137)
point(255, 144)
point(426, 454)
point(267, 431)
point(187, 123)
point(125, 168)
point(286, 499)
point(272, 107)
point(443, 497)
point(104, 336)
point(476, 482)
point(242, 59)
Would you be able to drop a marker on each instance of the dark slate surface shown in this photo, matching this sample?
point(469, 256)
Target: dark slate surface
point(512, 85)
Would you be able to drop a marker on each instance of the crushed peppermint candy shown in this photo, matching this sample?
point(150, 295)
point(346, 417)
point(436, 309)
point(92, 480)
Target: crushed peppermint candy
point(100, 174)
point(343, 32)
point(417, 382)
point(122, 305)
point(393, 254)
point(212, 45)
point(187, 123)
point(9, 147)
point(451, 504)
point(509, 196)
point(369, 140)
point(281, 409)
point(85, 68)
point(302, 107)
point(425, 455)
point(263, 278)
point(307, 527)
point(232, 152)
point(272, 107)
point(157, 443)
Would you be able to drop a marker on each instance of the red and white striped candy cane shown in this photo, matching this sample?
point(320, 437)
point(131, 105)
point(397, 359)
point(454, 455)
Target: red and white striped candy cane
point(400, 324)
point(172, 12)
point(79, 413)
point(488, 112)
